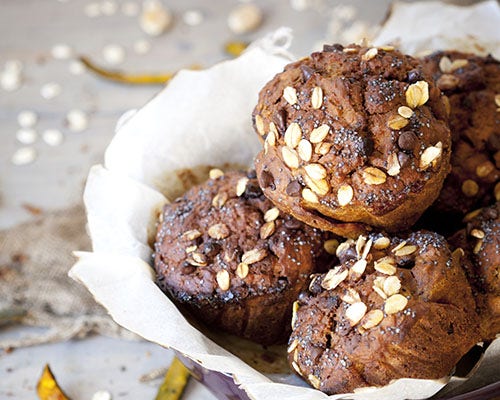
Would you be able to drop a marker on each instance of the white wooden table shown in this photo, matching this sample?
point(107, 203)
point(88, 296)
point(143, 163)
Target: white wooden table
point(28, 31)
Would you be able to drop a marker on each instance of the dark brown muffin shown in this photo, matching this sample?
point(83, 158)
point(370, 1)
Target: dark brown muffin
point(472, 84)
point(352, 135)
point(225, 252)
point(392, 309)
point(479, 245)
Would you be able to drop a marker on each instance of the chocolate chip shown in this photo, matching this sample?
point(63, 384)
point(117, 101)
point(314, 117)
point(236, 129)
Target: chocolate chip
point(280, 120)
point(267, 180)
point(252, 190)
point(292, 223)
point(404, 159)
point(188, 269)
point(293, 189)
point(347, 254)
point(414, 75)
point(407, 141)
point(331, 48)
point(211, 249)
point(494, 142)
point(368, 146)
point(306, 72)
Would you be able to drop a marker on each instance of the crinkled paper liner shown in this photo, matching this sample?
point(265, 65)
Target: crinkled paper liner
point(203, 118)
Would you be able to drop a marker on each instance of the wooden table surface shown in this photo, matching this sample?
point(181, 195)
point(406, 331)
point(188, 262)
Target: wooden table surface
point(28, 30)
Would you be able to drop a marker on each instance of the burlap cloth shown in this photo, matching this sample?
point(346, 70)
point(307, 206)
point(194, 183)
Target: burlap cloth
point(35, 289)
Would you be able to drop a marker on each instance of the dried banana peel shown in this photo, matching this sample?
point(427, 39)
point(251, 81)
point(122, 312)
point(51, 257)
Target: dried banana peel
point(48, 388)
point(175, 381)
point(131, 79)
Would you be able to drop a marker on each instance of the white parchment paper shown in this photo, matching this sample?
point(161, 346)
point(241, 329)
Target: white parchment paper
point(204, 118)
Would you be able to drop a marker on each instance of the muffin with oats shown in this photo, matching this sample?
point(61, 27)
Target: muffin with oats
point(472, 85)
point(353, 137)
point(232, 259)
point(479, 246)
point(394, 308)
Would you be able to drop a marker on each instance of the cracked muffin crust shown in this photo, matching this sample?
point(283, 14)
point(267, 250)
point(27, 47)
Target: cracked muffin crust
point(233, 259)
point(352, 137)
point(394, 308)
point(479, 245)
point(472, 84)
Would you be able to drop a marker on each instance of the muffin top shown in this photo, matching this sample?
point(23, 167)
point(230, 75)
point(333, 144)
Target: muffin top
point(352, 134)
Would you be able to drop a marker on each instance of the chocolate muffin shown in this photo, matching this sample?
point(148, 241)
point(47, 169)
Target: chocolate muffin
point(233, 259)
point(479, 246)
point(472, 84)
point(392, 309)
point(353, 135)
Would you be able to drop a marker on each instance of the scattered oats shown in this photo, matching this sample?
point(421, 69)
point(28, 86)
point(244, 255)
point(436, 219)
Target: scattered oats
point(296, 368)
point(381, 243)
point(484, 169)
point(417, 94)
point(322, 148)
point(496, 191)
point(215, 173)
point(198, 259)
point(101, 395)
point(309, 196)
point(314, 381)
point(393, 167)
point(471, 215)
point(345, 195)
point(267, 229)
point(242, 270)
point(219, 200)
point(430, 155)
point(355, 312)
point(253, 256)
point(317, 98)
point(76, 67)
point(271, 215)
point(397, 122)
point(223, 279)
point(360, 244)
point(92, 10)
point(477, 233)
point(331, 245)
point(334, 277)
point(193, 17)
point(290, 157)
point(386, 266)
point(373, 176)
point(470, 188)
point(457, 254)
point(192, 248)
point(497, 100)
point(142, 46)
point(244, 18)
point(344, 246)
point(192, 234)
point(108, 7)
point(350, 296)
point(305, 150)
point(290, 95)
point(458, 63)
point(273, 129)
point(379, 291)
point(399, 246)
point(387, 48)
point(445, 65)
point(405, 250)
point(372, 319)
point(130, 9)
point(405, 112)
point(26, 136)
point(259, 125)
point(293, 134)
point(155, 18)
point(477, 247)
point(349, 50)
point(77, 120)
point(61, 51)
point(292, 346)
point(367, 248)
point(395, 303)
point(371, 53)
point(315, 171)
point(391, 285)
point(53, 137)
point(10, 80)
point(241, 186)
point(50, 90)
point(319, 134)
point(218, 231)
point(447, 82)
point(359, 267)
point(27, 119)
point(447, 105)
point(113, 54)
point(319, 186)
point(270, 141)
point(24, 156)
point(295, 308)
